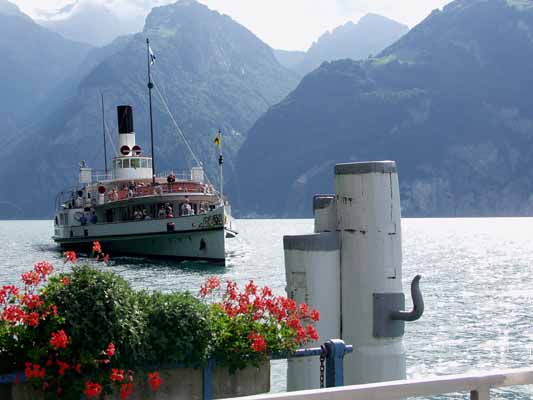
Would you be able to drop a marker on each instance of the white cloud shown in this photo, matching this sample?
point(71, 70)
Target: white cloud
point(120, 7)
point(285, 24)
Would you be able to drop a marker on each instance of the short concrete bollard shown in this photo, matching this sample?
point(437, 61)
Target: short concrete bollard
point(312, 269)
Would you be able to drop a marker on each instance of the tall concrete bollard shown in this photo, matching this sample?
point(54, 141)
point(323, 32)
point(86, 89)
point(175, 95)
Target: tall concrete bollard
point(368, 209)
point(364, 217)
point(312, 272)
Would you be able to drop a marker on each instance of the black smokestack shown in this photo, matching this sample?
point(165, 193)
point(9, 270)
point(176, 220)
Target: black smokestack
point(125, 119)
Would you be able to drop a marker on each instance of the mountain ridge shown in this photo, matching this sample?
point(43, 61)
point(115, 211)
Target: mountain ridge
point(369, 36)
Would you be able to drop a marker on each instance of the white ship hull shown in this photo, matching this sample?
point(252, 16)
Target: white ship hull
point(199, 237)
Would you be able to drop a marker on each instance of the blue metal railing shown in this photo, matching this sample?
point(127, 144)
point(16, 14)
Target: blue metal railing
point(333, 351)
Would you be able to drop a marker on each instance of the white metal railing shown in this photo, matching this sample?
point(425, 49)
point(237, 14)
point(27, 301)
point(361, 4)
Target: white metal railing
point(478, 385)
point(101, 176)
point(180, 175)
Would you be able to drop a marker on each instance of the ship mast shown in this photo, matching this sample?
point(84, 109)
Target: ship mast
point(220, 163)
point(151, 59)
point(104, 132)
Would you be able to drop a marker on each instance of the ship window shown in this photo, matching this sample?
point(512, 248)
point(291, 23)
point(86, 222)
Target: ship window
point(144, 163)
point(125, 163)
point(135, 163)
point(66, 219)
point(119, 163)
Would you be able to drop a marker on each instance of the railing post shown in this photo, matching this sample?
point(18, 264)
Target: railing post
point(207, 381)
point(336, 349)
point(481, 394)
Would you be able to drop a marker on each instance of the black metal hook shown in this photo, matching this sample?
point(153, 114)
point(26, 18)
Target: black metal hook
point(418, 304)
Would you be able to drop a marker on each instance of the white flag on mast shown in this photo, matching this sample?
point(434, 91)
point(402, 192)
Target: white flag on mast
point(152, 55)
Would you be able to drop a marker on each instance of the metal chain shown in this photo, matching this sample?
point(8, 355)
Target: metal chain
point(322, 360)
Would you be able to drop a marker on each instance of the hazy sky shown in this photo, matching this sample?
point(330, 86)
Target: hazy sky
point(283, 24)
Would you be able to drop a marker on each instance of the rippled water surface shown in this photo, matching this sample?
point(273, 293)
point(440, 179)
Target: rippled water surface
point(477, 284)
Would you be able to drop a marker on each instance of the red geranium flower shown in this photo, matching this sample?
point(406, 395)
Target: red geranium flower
point(65, 280)
point(92, 389)
point(31, 278)
point(34, 371)
point(315, 315)
point(301, 335)
point(117, 375)
point(32, 301)
point(59, 340)
point(110, 351)
point(126, 389)
point(258, 342)
point(70, 256)
point(32, 319)
point(6, 291)
point(63, 366)
point(210, 284)
point(311, 332)
point(154, 380)
point(97, 248)
point(13, 314)
point(43, 268)
point(304, 310)
point(250, 288)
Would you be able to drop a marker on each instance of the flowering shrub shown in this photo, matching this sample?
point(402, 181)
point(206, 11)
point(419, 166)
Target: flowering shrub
point(72, 336)
point(249, 324)
point(86, 333)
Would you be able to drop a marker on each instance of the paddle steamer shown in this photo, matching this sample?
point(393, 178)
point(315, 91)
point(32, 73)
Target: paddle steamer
point(132, 212)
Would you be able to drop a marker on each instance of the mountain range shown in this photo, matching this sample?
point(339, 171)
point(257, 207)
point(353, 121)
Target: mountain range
point(450, 102)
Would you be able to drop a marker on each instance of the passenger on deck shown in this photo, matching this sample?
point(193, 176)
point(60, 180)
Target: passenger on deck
point(186, 208)
point(146, 215)
point(137, 214)
point(94, 218)
point(168, 211)
point(161, 213)
point(83, 219)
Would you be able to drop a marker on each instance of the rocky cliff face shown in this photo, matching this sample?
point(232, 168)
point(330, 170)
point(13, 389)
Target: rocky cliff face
point(449, 101)
point(213, 73)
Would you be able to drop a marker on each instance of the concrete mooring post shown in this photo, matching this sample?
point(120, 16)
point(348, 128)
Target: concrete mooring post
point(360, 279)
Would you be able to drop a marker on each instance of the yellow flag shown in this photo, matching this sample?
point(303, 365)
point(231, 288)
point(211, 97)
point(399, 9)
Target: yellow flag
point(217, 140)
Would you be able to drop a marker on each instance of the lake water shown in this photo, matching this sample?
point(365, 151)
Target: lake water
point(477, 284)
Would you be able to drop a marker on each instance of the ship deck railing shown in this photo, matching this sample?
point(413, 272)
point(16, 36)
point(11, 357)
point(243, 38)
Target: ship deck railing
point(166, 188)
point(103, 176)
point(477, 386)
